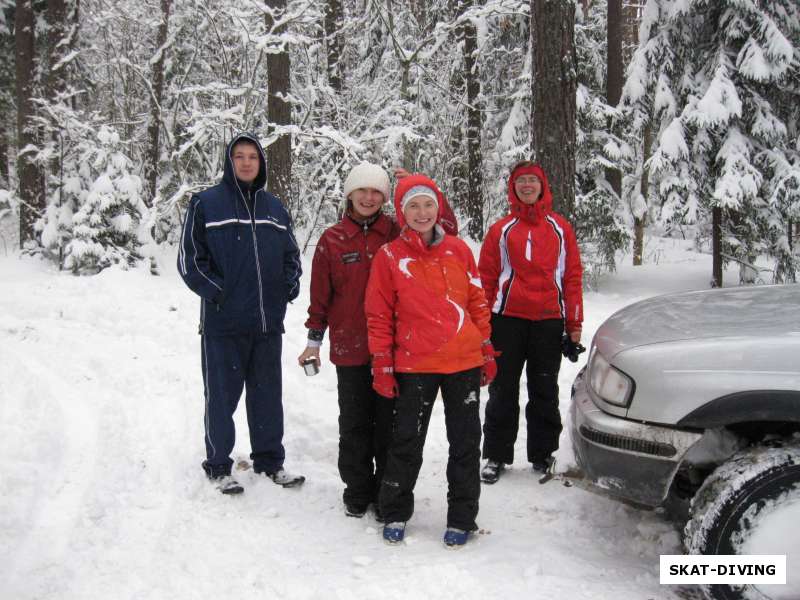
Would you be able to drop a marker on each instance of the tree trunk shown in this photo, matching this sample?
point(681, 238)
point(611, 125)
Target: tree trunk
point(279, 112)
point(553, 85)
point(3, 155)
point(28, 173)
point(474, 204)
point(7, 107)
point(631, 18)
point(154, 126)
point(457, 172)
point(614, 77)
point(334, 18)
point(409, 153)
point(58, 26)
point(644, 189)
point(716, 247)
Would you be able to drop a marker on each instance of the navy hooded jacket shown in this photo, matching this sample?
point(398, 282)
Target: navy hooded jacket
point(238, 253)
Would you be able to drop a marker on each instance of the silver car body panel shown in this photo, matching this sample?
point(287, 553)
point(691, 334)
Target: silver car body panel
point(636, 476)
point(685, 350)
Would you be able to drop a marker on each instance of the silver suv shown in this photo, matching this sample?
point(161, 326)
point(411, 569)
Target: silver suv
point(692, 401)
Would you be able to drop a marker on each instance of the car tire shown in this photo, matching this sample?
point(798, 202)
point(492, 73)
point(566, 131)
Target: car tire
point(725, 511)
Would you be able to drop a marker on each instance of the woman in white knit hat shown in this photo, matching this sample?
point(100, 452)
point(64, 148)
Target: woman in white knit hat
point(339, 275)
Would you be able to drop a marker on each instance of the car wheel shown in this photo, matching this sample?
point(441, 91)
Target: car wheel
point(743, 496)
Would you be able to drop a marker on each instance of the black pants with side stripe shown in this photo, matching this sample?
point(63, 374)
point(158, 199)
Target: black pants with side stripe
point(535, 345)
point(460, 392)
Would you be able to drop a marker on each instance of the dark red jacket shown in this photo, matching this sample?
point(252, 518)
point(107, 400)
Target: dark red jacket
point(530, 264)
point(339, 275)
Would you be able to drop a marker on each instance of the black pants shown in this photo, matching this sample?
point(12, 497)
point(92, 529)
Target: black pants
point(537, 343)
point(365, 429)
point(412, 415)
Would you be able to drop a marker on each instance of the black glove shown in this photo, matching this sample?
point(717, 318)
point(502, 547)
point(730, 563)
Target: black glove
point(571, 350)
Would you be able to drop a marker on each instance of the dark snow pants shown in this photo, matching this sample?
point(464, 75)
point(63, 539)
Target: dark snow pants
point(537, 343)
point(231, 363)
point(412, 415)
point(365, 429)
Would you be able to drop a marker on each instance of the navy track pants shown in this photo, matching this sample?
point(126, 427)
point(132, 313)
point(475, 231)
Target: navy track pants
point(232, 363)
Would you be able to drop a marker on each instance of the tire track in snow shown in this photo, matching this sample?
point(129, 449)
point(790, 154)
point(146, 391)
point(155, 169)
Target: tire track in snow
point(58, 482)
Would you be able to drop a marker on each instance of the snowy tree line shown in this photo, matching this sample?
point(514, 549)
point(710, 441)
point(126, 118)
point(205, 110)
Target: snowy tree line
point(111, 113)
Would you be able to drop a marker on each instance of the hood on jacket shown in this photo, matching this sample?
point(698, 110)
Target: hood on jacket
point(539, 208)
point(405, 184)
point(228, 175)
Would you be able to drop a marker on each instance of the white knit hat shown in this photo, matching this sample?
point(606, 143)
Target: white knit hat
point(367, 175)
point(418, 190)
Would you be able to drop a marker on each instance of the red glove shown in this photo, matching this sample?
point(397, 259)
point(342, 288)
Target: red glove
point(489, 368)
point(383, 380)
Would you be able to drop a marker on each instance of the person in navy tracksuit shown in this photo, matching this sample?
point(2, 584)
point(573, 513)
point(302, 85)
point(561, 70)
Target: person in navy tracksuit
point(238, 253)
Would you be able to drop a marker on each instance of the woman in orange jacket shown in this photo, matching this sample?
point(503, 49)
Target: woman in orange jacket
point(428, 328)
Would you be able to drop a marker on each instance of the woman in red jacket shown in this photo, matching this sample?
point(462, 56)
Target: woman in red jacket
point(428, 325)
point(339, 274)
point(531, 271)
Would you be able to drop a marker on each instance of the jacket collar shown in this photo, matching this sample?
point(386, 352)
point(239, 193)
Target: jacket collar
point(414, 240)
point(380, 225)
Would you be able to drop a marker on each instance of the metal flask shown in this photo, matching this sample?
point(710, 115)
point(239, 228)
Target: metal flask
point(310, 366)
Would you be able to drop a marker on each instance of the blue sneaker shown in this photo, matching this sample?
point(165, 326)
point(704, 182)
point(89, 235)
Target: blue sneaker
point(455, 537)
point(393, 533)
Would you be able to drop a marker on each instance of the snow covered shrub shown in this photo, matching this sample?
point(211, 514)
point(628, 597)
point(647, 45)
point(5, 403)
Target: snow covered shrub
point(93, 215)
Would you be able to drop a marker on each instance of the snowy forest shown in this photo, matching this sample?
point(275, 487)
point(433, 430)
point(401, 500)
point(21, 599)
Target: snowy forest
point(677, 117)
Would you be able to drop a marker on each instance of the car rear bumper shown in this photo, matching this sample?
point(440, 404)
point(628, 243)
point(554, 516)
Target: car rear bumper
point(632, 460)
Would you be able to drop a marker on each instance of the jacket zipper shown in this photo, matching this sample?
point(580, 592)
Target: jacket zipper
point(258, 262)
point(529, 248)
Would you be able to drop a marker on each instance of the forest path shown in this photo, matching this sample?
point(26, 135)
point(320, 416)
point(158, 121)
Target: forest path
point(102, 495)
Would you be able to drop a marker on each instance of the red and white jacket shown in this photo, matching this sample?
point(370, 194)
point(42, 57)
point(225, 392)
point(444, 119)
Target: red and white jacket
point(424, 305)
point(530, 264)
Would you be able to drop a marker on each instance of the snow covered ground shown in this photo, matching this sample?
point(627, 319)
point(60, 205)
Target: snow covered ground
point(102, 495)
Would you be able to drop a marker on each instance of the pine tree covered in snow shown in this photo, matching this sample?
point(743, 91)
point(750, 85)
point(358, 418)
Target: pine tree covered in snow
point(599, 217)
point(718, 84)
point(93, 220)
point(505, 58)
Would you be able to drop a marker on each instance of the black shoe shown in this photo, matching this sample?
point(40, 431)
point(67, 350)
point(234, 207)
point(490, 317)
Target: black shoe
point(491, 471)
point(542, 465)
point(352, 509)
point(227, 485)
